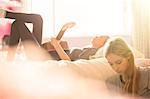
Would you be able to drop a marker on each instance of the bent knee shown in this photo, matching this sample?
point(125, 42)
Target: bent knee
point(38, 17)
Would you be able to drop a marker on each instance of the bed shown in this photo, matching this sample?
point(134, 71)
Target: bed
point(81, 79)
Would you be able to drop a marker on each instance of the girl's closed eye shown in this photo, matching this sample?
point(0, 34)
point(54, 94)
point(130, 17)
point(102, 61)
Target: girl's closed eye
point(110, 63)
point(119, 62)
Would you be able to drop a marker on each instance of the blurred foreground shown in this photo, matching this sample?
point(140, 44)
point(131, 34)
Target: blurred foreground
point(30, 78)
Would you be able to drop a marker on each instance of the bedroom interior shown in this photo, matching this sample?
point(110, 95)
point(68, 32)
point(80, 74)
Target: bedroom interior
point(81, 79)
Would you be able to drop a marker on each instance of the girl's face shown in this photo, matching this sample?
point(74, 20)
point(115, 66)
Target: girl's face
point(119, 64)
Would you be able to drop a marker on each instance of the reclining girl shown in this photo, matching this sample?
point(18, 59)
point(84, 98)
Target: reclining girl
point(20, 30)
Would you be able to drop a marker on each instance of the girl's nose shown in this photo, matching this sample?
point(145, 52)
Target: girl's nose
point(115, 67)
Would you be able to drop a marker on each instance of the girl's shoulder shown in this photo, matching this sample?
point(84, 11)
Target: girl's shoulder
point(114, 84)
point(113, 79)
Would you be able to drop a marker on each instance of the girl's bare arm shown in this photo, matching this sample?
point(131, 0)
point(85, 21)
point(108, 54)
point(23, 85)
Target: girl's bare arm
point(62, 54)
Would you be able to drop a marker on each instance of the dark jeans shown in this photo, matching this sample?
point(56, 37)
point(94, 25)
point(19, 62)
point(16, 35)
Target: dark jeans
point(20, 31)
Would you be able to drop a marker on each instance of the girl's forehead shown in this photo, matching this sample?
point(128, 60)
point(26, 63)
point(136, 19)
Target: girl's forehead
point(113, 57)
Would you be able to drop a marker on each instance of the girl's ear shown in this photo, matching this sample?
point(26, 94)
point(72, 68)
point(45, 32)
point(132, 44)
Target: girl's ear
point(129, 55)
point(128, 58)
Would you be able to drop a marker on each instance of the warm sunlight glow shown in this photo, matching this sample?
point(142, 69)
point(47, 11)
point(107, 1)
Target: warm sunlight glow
point(95, 17)
point(44, 8)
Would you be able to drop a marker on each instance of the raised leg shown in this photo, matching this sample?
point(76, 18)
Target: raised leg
point(35, 19)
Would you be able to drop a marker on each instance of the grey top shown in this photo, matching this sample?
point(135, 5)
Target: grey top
point(115, 83)
point(82, 53)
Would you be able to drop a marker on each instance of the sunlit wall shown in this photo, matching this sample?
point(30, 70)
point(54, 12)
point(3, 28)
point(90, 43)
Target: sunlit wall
point(92, 17)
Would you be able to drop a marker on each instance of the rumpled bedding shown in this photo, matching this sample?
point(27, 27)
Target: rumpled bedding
point(81, 79)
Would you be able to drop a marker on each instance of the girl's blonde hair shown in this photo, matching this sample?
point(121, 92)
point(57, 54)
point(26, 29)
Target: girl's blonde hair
point(119, 47)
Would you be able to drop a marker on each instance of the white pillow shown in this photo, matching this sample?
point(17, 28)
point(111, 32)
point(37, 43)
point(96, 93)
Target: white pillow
point(99, 54)
point(95, 69)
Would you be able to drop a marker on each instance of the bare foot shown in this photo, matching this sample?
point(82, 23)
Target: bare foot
point(64, 28)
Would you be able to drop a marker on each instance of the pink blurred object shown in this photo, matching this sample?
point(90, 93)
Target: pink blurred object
point(5, 27)
point(12, 5)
